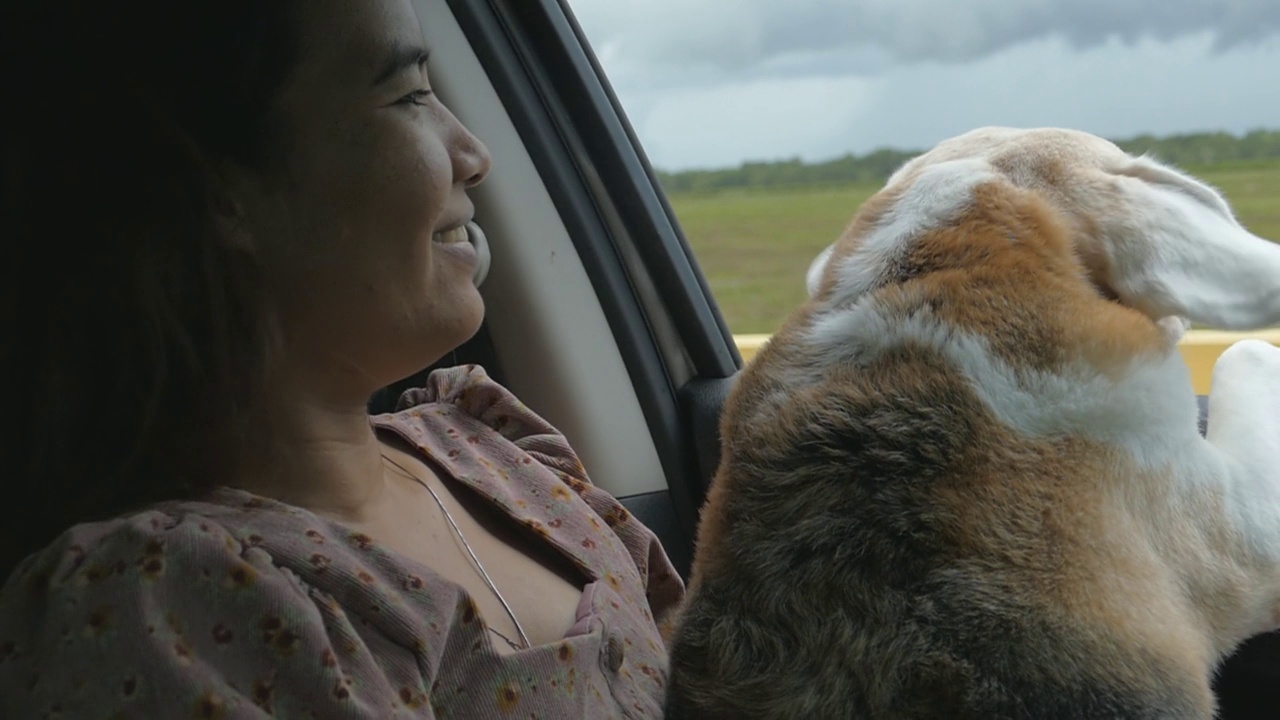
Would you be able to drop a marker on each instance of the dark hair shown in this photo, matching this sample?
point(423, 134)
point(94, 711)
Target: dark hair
point(135, 334)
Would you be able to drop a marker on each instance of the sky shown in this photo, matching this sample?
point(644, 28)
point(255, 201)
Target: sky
point(715, 83)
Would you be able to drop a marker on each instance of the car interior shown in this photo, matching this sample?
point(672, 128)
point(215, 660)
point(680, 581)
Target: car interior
point(598, 316)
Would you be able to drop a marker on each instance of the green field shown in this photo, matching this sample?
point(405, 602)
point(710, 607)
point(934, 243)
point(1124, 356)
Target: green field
point(755, 245)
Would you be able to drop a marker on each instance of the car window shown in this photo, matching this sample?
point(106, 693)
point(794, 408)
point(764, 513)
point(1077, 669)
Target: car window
point(596, 315)
point(770, 123)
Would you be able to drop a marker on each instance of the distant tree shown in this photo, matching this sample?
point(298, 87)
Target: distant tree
point(1189, 149)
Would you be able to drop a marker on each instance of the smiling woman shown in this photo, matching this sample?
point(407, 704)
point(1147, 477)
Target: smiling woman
point(213, 525)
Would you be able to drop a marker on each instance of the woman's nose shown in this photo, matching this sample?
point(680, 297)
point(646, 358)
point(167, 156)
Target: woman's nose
point(471, 159)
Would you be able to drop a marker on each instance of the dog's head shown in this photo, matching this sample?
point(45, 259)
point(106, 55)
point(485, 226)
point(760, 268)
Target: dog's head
point(1146, 234)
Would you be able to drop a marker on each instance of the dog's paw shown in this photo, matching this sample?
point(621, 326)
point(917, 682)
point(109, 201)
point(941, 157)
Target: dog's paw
point(1250, 355)
point(1249, 368)
point(1174, 328)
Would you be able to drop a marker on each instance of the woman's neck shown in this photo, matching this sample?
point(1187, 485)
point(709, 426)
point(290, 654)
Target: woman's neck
point(320, 451)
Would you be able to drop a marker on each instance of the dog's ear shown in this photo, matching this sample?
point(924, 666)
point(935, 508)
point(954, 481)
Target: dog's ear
point(1169, 245)
point(813, 278)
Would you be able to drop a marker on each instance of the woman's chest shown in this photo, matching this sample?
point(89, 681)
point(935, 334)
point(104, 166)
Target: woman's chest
point(521, 583)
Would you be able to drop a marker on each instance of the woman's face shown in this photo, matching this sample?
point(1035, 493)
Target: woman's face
point(358, 224)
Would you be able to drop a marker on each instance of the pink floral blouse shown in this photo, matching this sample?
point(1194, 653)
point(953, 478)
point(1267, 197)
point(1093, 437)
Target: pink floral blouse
point(237, 606)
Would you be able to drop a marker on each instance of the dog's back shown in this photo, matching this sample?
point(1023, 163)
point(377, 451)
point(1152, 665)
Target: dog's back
point(964, 481)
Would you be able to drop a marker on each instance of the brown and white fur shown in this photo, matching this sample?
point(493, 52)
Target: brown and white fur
point(966, 479)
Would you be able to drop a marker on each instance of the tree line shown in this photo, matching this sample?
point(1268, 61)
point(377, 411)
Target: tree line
point(1186, 150)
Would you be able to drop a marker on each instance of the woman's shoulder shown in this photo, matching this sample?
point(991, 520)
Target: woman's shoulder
point(228, 544)
point(139, 572)
point(209, 541)
point(177, 607)
point(137, 546)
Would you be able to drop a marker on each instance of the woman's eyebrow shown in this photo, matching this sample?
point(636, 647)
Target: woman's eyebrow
point(403, 57)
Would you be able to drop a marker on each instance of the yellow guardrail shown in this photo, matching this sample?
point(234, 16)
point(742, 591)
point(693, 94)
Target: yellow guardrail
point(1200, 349)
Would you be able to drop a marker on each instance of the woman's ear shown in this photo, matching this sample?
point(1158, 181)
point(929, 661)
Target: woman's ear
point(235, 193)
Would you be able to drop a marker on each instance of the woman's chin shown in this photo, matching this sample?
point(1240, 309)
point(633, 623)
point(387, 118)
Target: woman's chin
point(476, 317)
point(466, 316)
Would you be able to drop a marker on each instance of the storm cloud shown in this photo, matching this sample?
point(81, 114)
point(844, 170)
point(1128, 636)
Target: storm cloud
point(713, 83)
point(700, 40)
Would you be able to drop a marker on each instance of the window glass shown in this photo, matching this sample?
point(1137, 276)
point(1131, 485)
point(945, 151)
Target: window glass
point(770, 122)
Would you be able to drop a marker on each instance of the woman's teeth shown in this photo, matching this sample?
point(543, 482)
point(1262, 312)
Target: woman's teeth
point(456, 235)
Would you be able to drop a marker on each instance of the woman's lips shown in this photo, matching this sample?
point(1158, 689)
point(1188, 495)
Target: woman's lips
point(480, 244)
point(467, 243)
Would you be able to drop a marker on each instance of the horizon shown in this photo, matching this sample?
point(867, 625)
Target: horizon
point(918, 150)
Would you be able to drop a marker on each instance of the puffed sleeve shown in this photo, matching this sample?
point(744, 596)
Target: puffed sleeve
point(472, 391)
point(157, 615)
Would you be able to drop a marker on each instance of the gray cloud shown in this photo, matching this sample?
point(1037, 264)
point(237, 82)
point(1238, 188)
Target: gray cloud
point(711, 83)
point(1113, 89)
point(683, 41)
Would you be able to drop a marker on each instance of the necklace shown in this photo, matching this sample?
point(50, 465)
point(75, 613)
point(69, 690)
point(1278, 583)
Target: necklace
point(524, 639)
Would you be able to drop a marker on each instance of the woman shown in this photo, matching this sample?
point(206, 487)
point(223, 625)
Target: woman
point(246, 217)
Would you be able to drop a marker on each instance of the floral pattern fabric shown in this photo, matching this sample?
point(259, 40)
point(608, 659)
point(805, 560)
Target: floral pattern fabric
point(238, 606)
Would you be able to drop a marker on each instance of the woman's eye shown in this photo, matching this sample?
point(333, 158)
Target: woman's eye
point(417, 97)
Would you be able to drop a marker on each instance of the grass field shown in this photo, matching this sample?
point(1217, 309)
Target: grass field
point(755, 245)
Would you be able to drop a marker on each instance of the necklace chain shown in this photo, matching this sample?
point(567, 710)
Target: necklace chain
point(479, 566)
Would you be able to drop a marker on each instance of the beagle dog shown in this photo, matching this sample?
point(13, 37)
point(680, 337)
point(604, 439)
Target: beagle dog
point(966, 478)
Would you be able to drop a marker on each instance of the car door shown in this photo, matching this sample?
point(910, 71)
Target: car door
point(598, 315)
